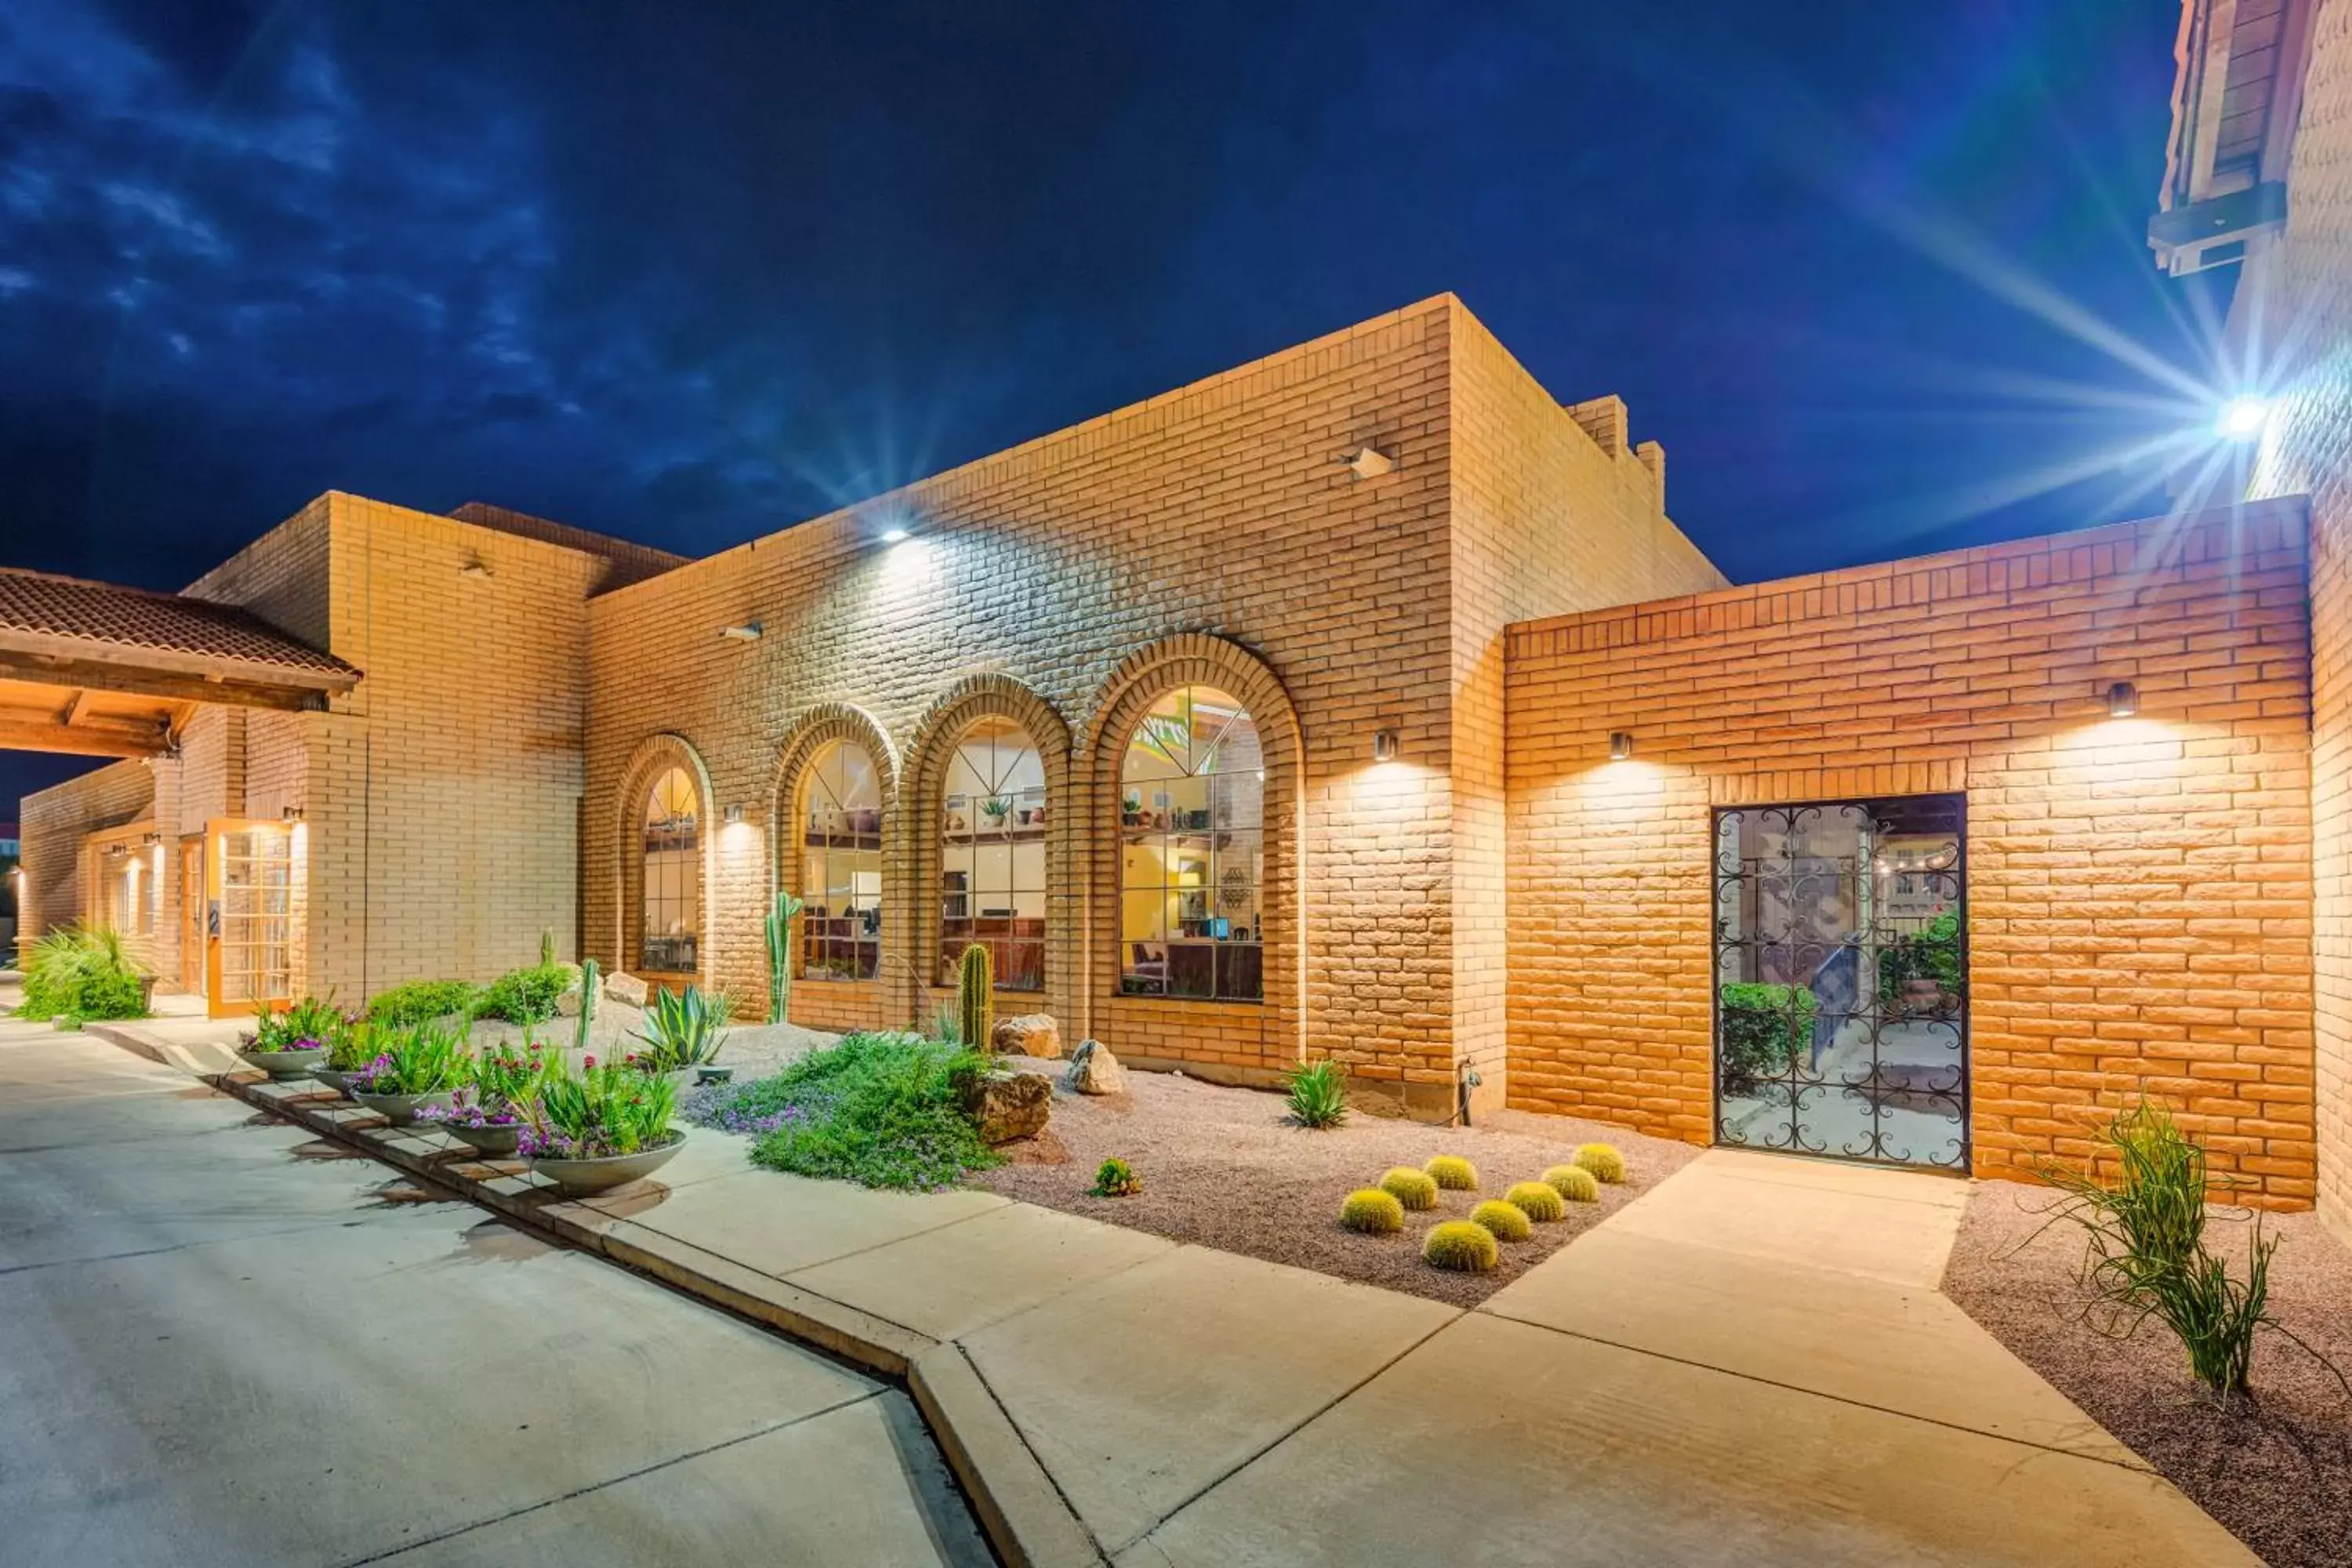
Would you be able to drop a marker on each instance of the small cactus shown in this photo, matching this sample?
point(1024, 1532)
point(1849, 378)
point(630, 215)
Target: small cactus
point(1574, 1184)
point(1452, 1171)
point(1538, 1201)
point(1602, 1161)
point(587, 1005)
point(1462, 1246)
point(1505, 1220)
point(976, 997)
point(1372, 1211)
point(1410, 1187)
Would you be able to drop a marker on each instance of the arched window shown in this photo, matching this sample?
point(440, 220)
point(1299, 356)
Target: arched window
point(993, 854)
point(841, 865)
point(1192, 828)
point(670, 905)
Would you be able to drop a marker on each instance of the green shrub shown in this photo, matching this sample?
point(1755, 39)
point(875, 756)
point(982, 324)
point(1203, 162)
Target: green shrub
point(422, 1001)
point(1574, 1184)
point(879, 1110)
point(1538, 1201)
point(2146, 1256)
point(1115, 1178)
point(1507, 1221)
point(1602, 1160)
point(1766, 1028)
point(1931, 953)
point(1410, 1187)
point(1452, 1173)
point(81, 971)
point(1318, 1094)
point(523, 996)
point(1462, 1246)
point(1372, 1211)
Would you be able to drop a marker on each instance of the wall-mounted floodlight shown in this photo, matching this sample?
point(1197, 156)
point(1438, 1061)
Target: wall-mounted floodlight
point(748, 632)
point(896, 536)
point(1368, 462)
point(2243, 418)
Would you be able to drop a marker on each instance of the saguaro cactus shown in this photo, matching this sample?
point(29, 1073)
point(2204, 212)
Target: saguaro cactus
point(587, 1003)
point(780, 954)
point(976, 996)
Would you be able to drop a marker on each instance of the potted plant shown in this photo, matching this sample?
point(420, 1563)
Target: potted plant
point(1130, 809)
point(684, 1031)
point(355, 1044)
point(996, 808)
point(601, 1128)
point(416, 1068)
point(290, 1045)
point(487, 1113)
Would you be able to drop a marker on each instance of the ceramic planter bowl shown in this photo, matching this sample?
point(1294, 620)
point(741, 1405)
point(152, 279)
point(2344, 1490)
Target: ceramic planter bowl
point(578, 1178)
point(401, 1109)
point(714, 1074)
point(335, 1078)
point(497, 1142)
point(283, 1065)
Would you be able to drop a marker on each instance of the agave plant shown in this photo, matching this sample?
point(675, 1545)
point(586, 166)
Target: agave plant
point(1318, 1094)
point(683, 1029)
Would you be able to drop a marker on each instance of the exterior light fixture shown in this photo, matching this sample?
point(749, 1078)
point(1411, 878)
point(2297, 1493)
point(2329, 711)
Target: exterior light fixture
point(2243, 418)
point(2123, 699)
point(748, 632)
point(896, 536)
point(733, 816)
point(1384, 746)
point(289, 814)
point(1368, 462)
point(1620, 745)
point(477, 568)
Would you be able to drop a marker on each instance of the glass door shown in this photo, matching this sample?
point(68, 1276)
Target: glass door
point(249, 916)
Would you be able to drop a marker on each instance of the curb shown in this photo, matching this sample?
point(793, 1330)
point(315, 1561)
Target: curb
point(1018, 1506)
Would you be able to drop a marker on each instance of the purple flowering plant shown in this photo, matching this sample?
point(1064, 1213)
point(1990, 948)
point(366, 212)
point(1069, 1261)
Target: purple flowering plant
point(310, 1025)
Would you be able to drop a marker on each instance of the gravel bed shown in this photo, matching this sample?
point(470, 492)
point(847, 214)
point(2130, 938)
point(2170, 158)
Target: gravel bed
point(1226, 1168)
point(2277, 1470)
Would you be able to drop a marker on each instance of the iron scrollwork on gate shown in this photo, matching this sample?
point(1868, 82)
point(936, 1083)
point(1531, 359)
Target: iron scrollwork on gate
point(1841, 980)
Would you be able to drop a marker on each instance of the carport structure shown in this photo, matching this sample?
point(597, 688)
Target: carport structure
point(210, 900)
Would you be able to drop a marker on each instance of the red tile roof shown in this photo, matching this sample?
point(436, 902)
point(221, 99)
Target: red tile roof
point(36, 607)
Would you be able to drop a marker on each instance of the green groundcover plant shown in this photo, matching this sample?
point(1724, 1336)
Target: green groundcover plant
point(81, 971)
point(879, 1110)
point(521, 995)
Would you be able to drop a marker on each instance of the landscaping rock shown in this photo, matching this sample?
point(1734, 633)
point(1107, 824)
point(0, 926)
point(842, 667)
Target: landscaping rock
point(1030, 1035)
point(628, 988)
point(1094, 1070)
point(1006, 1105)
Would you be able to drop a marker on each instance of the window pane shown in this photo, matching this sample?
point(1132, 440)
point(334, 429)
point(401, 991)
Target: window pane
point(1192, 813)
point(670, 917)
point(841, 866)
point(993, 854)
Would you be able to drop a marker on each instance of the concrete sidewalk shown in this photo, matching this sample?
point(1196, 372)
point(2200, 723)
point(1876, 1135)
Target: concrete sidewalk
point(1750, 1365)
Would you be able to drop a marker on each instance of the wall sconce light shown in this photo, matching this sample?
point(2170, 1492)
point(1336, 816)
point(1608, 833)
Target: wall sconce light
point(1384, 746)
point(291, 814)
point(733, 816)
point(750, 631)
point(2123, 699)
point(1368, 462)
point(477, 568)
point(1620, 745)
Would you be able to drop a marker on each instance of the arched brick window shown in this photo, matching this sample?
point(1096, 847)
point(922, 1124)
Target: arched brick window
point(840, 849)
point(992, 860)
point(670, 901)
point(1192, 837)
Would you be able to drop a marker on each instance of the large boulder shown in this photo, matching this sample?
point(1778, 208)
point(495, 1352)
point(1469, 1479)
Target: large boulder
point(1094, 1070)
point(1005, 1105)
point(1029, 1035)
point(621, 986)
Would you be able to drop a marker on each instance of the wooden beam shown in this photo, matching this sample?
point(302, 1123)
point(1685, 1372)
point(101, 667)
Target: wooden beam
point(81, 741)
point(81, 672)
point(74, 706)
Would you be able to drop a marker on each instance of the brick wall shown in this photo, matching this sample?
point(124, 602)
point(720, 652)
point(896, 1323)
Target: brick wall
point(1215, 527)
point(53, 824)
point(2295, 305)
point(2139, 891)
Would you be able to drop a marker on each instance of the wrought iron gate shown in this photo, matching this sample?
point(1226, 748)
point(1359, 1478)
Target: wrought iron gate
point(1841, 980)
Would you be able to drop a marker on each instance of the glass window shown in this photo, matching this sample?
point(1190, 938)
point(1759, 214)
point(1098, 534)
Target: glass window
point(992, 855)
point(672, 897)
point(1192, 828)
point(841, 865)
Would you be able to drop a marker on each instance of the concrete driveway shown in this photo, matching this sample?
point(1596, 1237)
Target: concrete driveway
point(223, 1343)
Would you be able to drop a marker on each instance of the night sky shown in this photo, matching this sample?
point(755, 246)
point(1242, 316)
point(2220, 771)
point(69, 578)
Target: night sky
point(690, 273)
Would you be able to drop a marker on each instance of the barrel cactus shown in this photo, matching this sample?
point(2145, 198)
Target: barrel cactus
point(1537, 1200)
point(1602, 1160)
point(1410, 1187)
point(1453, 1172)
point(1574, 1184)
point(1372, 1211)
point(976, 997)
point(1461, 1245)
point(1505, 1220)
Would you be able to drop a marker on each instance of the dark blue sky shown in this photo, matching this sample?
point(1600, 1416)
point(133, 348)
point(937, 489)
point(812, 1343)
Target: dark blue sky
point(690, 273)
